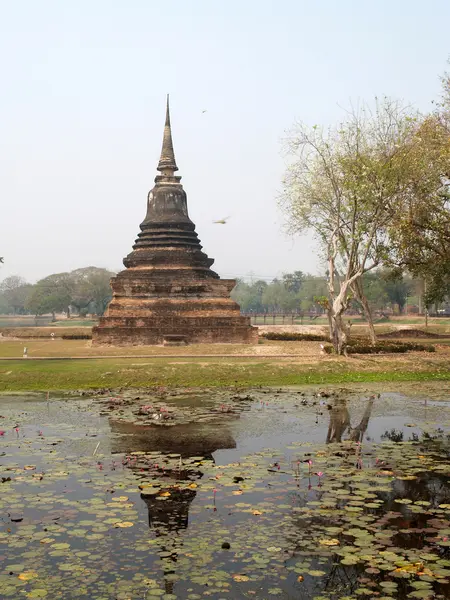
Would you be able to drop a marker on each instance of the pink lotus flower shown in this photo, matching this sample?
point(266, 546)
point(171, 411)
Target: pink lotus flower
point(2, 432)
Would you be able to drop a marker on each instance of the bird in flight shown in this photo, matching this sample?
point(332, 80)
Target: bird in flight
point(203, 111)
point(221, 221)
point(1, 259)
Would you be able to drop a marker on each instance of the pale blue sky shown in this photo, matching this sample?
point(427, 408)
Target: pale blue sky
point(82, 111)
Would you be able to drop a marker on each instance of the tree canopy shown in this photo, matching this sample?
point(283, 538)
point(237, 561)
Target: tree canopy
point(367, 188)
point(86, 290)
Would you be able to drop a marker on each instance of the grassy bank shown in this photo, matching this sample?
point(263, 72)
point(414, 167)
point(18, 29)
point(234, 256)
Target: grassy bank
point(216, 372)
point(83, 348)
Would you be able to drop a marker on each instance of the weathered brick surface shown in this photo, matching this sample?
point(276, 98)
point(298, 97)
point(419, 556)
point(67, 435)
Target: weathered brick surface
point(168, 286)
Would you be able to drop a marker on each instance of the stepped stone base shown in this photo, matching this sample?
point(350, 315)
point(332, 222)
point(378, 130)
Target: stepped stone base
point(191, 311)
point(236, 333)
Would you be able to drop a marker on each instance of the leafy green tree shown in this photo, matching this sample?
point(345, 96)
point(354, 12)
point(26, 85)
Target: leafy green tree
point(14, 291)
point(293, 281)
point(51, 294)
point(420, 231)
point(249, 296)
point(397, 288)
point(344, 184)
point(374, 290)
point(312, 288)
point(92, 290)
point(278, 298)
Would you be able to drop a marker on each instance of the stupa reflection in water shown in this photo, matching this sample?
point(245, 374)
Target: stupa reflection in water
point(168, 518)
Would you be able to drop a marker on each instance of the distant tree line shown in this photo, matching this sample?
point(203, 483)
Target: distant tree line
point(385, 290)
point(87, 290)
point(83, 291)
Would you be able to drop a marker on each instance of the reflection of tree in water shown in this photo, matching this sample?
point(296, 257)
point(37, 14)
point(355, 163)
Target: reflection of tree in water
point(340, 422)
point(168, 516)
point(410, 530)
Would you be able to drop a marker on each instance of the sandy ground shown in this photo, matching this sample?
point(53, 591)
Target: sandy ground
point(83, 348)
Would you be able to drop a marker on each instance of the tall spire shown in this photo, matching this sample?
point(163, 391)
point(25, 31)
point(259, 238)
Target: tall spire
point(167, 160)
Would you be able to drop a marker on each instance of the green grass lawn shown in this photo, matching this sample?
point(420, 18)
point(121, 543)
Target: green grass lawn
point(45, 375)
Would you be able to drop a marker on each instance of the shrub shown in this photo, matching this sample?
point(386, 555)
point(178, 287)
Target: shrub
point(74, 336)
point(362, 347)
point(294, 337)
point(355, 346)
point(410, 333)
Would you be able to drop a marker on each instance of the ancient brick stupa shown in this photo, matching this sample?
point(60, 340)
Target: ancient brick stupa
point(168, 292)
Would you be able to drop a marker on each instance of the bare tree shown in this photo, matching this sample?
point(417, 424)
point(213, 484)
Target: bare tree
point(344, 184)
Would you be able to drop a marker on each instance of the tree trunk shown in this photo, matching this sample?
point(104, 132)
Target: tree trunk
point(330, 323)
point(357, 289)
point(53, 316)
point(357, 433)
point(336, 308)
point(339, 332)
point(339, 422)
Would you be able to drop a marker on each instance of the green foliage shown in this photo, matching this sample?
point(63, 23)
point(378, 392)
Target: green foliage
point(344, 184)
point(111, 372)
point(420, 232)
point(294, 337)
point(92, 291)
point(51, 294)
point(293, 281)
point(384, 288)
point(249, 295)
point(14, 291)
point(375, 190)
point(387, 287)
point(384, 347)
point(87, 290)
point(292, 293)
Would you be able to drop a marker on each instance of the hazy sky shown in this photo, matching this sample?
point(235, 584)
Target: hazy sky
point(82, 112)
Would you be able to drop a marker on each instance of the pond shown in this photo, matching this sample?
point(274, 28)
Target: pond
point(292, 493)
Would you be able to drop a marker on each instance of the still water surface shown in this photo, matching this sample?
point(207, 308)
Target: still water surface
point(273, 494)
